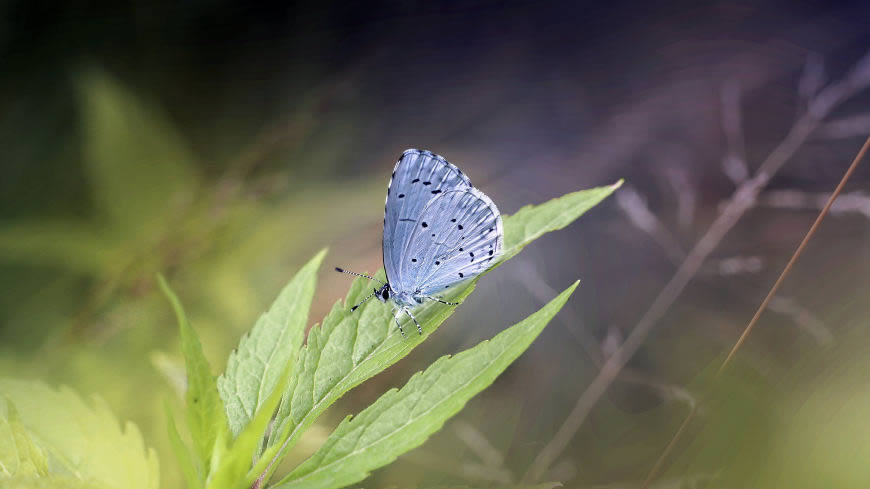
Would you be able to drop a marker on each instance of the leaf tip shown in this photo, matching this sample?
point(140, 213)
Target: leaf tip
point(170, 295)
point(617, 184)
point(321, 254)
point(570, 290)
point(161, 280)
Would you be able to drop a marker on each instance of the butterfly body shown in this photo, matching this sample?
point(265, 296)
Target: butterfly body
point(401, 299)
point(438, 231)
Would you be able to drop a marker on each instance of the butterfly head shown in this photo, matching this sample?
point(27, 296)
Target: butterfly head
point(383, 294)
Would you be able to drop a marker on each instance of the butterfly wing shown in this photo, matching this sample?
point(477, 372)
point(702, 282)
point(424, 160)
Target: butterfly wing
point(418, 177)
point(457, 236)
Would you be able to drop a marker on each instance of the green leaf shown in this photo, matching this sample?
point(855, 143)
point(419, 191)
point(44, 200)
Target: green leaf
point(350, 348)
point(19, 455)
point(233, 470)
point(139, 167)
point(254, 369)
point(403, 419)
point(192, 475)
point(83, 443)
point(206, 418)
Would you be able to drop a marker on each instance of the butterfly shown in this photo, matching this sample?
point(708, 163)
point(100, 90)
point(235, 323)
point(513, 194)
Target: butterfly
point(439, 231)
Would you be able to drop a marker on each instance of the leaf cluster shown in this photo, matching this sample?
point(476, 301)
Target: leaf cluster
point(245, 422)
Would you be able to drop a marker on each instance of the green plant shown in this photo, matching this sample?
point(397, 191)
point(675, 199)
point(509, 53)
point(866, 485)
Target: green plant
point(242, 424)
point(53, 439)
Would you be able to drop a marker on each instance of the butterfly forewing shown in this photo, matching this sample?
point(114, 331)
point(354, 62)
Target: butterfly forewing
point(419, 176)
point(457, 236)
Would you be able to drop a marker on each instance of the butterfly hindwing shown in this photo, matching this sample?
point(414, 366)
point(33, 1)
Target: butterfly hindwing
point(419, 176)
point(457, 236)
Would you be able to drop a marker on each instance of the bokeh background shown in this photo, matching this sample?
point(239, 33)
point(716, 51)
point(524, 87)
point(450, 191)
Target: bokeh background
point(222, 143)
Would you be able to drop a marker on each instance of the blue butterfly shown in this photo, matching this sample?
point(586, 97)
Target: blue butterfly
point(438, 231)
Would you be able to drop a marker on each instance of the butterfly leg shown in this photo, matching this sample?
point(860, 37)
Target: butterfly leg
point(436, 299)
point(419, 328)
point(396, 317)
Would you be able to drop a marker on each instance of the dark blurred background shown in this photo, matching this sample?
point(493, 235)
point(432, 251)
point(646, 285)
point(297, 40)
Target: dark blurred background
point(222, 143)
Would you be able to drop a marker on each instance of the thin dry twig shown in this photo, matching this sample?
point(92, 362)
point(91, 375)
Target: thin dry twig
point(767, 300)
point(686, 193)
point(796, 254)
point(739, 265)
point(806, 320)
point(853, 202)
point(742, 199)
point(478, 443)
point(734, 162)
point(640, 215)
point(634, 206)
point(540, 289)
point(812, 79)
point(847, 127)
point(530, 276)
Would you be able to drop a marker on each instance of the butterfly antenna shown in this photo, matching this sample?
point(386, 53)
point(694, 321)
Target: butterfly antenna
point(354, 308)
point(342, 270)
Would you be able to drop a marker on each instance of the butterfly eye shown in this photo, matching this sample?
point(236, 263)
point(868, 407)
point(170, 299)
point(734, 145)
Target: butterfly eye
point(386, 293)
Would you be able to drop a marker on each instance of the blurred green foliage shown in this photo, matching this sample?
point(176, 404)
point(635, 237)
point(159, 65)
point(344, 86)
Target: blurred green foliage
point(95, 318)
point(153, 212)
point(61, 441)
